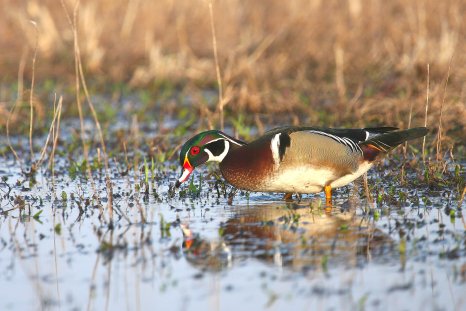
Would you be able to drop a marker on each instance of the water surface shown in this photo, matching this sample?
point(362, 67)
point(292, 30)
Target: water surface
point(202, 251)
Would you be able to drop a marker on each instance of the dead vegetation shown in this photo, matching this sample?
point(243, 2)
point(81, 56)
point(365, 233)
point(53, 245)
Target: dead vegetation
point(360, 62)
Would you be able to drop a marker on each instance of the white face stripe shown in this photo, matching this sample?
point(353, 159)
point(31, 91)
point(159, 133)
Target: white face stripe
point(220, 157)
point(209, 153)
point(275, 148)
point(213, 140)
point(227, 138)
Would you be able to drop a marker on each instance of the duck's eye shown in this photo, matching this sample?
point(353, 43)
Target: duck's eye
point(195, 150)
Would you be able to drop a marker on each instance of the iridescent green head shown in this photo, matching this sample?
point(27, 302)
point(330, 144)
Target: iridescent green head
point(204, 147)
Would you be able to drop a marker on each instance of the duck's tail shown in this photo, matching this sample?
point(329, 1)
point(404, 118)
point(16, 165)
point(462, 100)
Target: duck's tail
point(383, 143)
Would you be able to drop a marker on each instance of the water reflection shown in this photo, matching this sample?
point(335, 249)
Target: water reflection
point(290, 235)
point(254, 252)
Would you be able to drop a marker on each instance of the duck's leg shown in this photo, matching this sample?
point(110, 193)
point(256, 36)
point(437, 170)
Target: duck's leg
point(288, 196)
point(328, 195)
point(299, 196)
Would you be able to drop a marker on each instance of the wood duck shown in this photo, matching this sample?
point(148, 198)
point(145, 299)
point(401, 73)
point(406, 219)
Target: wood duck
point(294, 159)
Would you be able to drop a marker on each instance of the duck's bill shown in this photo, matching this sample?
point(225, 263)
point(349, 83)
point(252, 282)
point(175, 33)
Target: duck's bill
point(186, 172)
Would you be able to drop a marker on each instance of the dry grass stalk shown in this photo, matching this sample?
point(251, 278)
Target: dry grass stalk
point(80, 80)
point(130, 17)
point(460, 203)
point(217, 67)
point(21, 68)
point(11, 112)
point(439, 132)
point(135, 136)
point(108, 182)
point(55, 135)
point(426, 113)
point(31, 103)
point(72, 24)
point(366, 190)
point(53, 126)
point(410, 117)
point(339, 72)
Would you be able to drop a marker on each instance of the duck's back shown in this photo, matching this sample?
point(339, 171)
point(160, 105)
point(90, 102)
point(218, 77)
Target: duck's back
point(311, 162)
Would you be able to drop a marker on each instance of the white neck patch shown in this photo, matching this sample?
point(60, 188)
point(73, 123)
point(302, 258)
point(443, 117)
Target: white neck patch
point(275, 146)
point(220, 157)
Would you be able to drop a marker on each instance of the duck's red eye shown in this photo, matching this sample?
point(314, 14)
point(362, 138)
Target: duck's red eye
point(195, 150)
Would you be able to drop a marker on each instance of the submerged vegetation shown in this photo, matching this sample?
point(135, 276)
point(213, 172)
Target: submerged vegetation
point(94, 109)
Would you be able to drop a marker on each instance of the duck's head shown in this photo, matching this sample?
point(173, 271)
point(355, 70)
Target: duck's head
point(208, 146)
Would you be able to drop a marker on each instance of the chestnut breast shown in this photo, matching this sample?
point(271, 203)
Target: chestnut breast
point(248, 166)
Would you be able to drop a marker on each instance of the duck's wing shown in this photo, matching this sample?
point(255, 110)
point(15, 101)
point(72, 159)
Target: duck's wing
point(356, 135)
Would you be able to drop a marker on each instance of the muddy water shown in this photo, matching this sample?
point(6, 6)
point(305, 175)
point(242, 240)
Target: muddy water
point(190, 252)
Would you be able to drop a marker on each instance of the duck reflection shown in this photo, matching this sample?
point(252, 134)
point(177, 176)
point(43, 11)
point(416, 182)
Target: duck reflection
point(290, 235)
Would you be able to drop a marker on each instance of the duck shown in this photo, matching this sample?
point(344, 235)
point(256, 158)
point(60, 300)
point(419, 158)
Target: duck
point(294, 159)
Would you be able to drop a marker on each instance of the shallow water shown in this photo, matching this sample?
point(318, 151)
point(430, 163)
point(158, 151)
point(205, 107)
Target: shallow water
point(190, 252)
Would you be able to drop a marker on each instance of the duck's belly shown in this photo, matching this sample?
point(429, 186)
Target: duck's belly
point(305, 179)
point(311, 179)
point(346, 179)
point(300, 180)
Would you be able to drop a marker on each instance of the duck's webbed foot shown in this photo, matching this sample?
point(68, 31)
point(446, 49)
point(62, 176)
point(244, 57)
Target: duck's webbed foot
point(288, 197)
point(328, 196)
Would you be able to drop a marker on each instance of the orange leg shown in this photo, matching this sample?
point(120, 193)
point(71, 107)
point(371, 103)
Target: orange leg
point(328, 196)
point(288, 197)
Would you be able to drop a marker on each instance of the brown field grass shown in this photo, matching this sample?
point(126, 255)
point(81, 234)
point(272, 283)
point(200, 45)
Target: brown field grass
point(360, 62)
